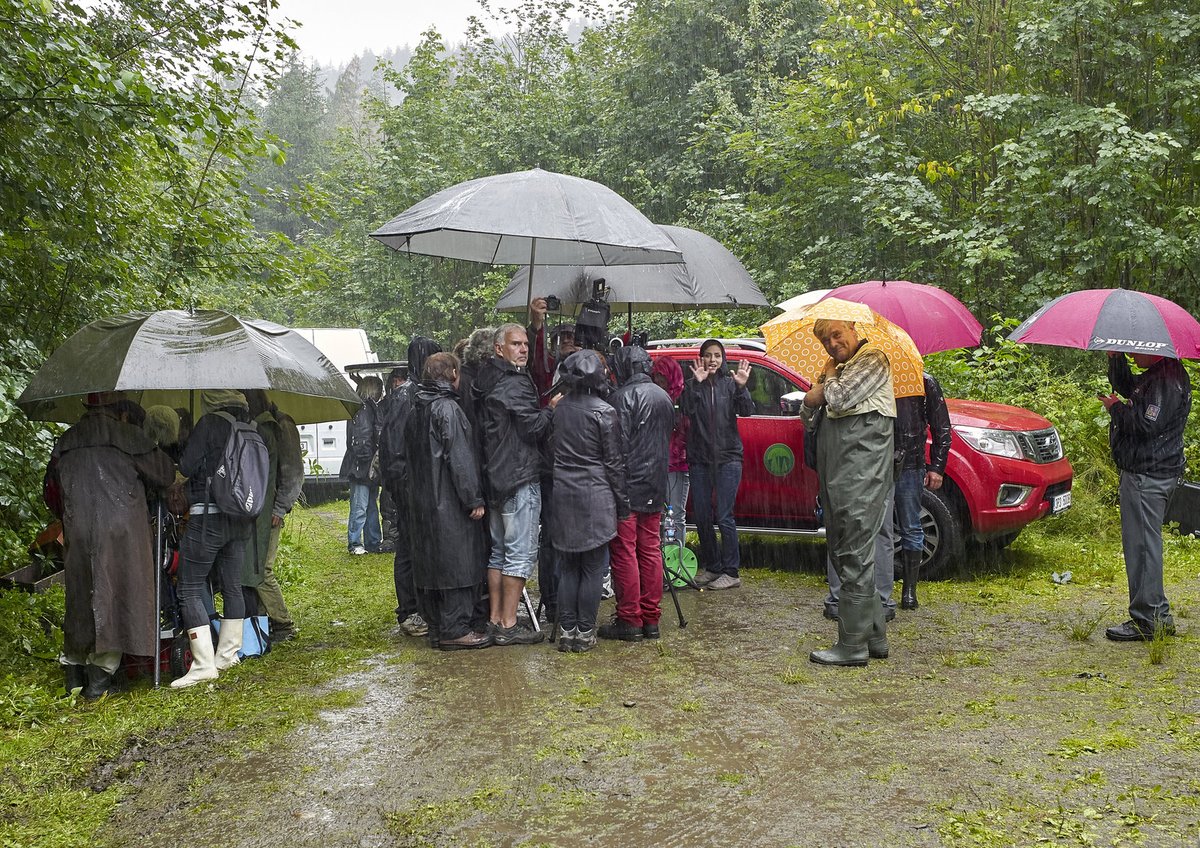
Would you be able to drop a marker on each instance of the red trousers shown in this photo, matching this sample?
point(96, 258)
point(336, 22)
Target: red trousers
point(637, 569)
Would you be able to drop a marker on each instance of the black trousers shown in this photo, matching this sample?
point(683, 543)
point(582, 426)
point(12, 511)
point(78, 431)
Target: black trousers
point(580, 580)
point(402, 570)
point(449, 613)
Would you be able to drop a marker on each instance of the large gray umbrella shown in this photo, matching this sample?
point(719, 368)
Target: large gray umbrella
point(710, 277)
point(165, 357)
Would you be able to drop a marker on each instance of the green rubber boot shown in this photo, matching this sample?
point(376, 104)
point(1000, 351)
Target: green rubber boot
point(854, 628)
point(877, 643)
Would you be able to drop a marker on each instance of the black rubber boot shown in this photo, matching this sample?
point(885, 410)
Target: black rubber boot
point(99, 683)
point(854, 628)
point(75, 677)
point(912, 567)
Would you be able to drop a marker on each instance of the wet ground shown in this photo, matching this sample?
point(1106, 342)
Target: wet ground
point(987, 725)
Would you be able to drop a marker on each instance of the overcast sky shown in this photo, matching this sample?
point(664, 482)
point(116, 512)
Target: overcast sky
point(335, 30)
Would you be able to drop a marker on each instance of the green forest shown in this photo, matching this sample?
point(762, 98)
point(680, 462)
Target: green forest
point(171, 153)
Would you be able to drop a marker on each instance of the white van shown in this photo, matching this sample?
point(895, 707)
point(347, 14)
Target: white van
point(324, 444)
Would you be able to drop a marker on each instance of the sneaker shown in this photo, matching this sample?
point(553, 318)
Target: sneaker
point(704, 577)
point(620, 629)
point(414, 625)
point(725, 581)
point(357, 550)
point(516, 635)
point(585, 640)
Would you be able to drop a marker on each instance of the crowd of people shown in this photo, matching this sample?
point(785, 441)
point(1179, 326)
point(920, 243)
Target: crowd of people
point(527, 449)
point(106, 477)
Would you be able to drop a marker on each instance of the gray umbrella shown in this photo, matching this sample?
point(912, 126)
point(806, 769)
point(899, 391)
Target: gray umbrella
point(502, 219)
point(710, 277)
point(164, 357)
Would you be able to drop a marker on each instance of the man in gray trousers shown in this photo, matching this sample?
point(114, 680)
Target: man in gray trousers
point(1145, 435)
point(854, 463)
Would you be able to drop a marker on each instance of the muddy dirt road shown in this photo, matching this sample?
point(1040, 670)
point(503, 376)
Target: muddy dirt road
point(985, 727)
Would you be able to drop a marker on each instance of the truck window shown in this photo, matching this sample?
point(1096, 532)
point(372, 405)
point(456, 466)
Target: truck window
point(766, 387)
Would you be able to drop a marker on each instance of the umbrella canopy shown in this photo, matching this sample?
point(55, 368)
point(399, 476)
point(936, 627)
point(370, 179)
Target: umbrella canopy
point(807, 298)
point(535, 217)
point(1114, 319)
point(710, 277)
point(164, 357)
point(934, 319)
point(790, 339)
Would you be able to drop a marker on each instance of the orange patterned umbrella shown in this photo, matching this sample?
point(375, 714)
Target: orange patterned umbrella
point(790, 339)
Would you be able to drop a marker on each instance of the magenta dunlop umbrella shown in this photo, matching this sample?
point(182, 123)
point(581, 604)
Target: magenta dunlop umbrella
point(1114, 319)
point(935, 319)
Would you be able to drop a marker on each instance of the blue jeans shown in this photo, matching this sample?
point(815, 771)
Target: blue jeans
point(514, 529)
point(364, 516)
point(720, 484)
point(909, 485)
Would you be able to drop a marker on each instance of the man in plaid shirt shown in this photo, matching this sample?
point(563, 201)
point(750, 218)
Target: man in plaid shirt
point(854, 462)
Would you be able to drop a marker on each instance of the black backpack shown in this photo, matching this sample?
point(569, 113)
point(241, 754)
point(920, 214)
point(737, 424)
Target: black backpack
point(239, 485)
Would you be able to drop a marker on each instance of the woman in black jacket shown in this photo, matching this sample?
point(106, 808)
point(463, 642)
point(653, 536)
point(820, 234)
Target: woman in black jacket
point(712, 400)
point(590, 496)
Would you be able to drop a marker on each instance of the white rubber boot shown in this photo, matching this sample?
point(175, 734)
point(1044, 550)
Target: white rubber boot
point(204, 665)
point(229, 643)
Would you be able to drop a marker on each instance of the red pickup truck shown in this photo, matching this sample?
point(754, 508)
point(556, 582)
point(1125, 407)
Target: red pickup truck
point(1006, 466)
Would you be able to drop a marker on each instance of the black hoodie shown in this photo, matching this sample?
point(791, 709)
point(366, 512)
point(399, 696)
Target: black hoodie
point(713, 407)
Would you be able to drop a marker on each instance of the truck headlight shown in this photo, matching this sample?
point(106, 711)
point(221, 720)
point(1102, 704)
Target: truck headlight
point(996, 442)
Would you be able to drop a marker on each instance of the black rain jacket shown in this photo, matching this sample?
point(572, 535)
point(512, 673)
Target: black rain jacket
point(590, 494)
point(914, 417)
point(1146, 434)
point(513, 427)
point(647, 417)
point(713, 408)
point(393, 413)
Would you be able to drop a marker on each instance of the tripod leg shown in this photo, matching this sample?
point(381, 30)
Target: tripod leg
point(671, 574)
point(529, 608)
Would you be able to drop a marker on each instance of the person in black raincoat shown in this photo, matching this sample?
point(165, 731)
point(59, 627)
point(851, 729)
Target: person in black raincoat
point(647, 417)
point(104, 467)
point(590, 495)
point(712, 399)
point(445, 509)
point(394, 414)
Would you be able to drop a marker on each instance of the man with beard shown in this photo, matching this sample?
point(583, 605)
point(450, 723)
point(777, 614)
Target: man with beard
point(514, 427)
point(445, 507)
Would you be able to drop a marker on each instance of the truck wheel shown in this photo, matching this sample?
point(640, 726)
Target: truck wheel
point(943, 537)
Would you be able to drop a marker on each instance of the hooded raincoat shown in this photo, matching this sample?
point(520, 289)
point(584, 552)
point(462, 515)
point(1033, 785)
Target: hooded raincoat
point(647, 417)
point(449, 549)
point(713, 407)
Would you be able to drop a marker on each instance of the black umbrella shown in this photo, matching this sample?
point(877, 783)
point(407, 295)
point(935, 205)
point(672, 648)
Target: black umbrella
point(165, 357)
point(710, 277)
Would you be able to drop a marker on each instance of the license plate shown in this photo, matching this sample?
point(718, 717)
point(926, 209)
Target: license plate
point(1060, 503)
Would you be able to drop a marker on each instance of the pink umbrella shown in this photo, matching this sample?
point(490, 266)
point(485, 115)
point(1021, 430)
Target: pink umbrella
point(935, 319)
point(1114, 319)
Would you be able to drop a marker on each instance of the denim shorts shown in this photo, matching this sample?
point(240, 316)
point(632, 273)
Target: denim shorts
point(514, 529)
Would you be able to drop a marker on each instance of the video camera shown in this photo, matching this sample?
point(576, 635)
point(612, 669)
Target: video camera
point(591, 325)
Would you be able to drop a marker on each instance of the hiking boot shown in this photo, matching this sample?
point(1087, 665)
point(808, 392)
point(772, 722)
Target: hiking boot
point(465, 643)
point(387, 548)
point(516, 635)
point(585, 640)
point(414, 625)
point(1136, 631)
point(650, 631)
point(566, 638)
point(704, 577)
point(725, 581)
point(621, 629)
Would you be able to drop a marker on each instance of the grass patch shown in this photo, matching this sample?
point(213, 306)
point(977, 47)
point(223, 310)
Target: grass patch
point(64, 764)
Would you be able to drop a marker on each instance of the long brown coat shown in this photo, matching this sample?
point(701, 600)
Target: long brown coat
point(105, 467)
